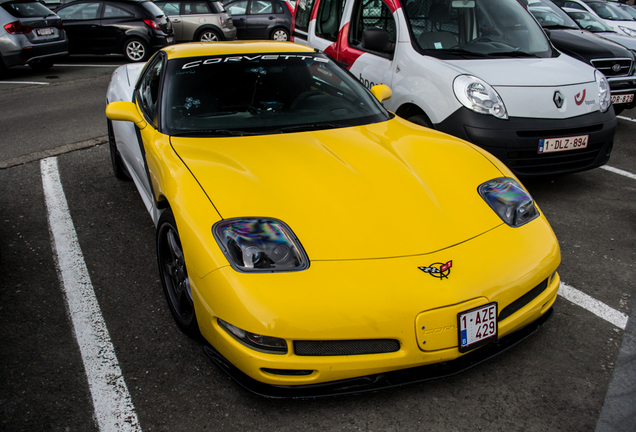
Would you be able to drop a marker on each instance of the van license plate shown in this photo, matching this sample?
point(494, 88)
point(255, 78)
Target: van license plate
point(477, 327)
point(46, 31)
point(623, 98)
point(563, 144)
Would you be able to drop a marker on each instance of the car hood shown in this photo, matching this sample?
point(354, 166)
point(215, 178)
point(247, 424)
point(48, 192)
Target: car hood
point(376, 191)
point(627, 41)
point(586, 46)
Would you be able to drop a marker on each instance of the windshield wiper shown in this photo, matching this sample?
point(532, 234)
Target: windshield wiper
point(216, 132)
point(457, 52)
point(515, 53)
point(310, 127)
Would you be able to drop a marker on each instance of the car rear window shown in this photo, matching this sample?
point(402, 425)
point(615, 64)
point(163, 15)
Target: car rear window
point(27, 9)
point(152, 8)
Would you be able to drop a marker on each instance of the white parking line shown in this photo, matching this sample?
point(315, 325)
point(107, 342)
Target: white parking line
point(619, 171)
point(626, 118)
point(113, 406)
point(24, 82)
point(87, 65)
point(598, 308)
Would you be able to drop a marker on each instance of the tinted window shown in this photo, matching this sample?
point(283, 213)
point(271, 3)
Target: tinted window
point(195, 8)
point(148, 91)
point(26, 10)
point(261, 7)
point(328, 20)
point(260, 94)
point(152, 8)
point(303, 14)
point(238, 8)
point(169, 8)
point(115, 12)
point(371, 14)
point(82, 11)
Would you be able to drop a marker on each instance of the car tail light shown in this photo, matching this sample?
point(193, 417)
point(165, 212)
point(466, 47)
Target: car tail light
point(222, 21)
point(152, 24)
point(59, 26)
point(16, 27)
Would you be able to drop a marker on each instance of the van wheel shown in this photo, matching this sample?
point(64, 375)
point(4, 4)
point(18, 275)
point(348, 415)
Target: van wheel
point(422, 120)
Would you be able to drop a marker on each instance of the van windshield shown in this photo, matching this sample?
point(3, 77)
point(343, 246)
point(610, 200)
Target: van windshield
point(456, 29)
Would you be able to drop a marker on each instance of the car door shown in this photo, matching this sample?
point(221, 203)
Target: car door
point(114, 22)
point(371, 63)
point(81, 22)
point(172, 9)
point(147, 95)
point(238, 10)
point(260, 19)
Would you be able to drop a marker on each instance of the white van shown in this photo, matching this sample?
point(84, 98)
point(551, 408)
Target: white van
point(482, 70)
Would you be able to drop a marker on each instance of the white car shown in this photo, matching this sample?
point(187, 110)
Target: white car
point(611, 15)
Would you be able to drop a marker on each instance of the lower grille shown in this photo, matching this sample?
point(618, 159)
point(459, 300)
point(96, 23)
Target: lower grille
point(345, 347)
point(531, 162)
point(523, 300)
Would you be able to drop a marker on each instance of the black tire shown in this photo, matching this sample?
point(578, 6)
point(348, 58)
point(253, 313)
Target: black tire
point(280, 34)
point(174, 275)
point(209, 35)
point(119, 169)
point(422, 120)
point(41, 65)
point(136, 50)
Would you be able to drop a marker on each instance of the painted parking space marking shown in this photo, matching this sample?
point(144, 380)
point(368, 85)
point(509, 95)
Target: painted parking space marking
point(619, 171)
point(24, 82)
point(598, 308)
point(626, 118)
point(87, 65)
point(113, 406)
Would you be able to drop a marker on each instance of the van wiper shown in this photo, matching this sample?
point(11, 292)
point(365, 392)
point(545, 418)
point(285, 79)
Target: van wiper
point(515, 53)
point(457, 51)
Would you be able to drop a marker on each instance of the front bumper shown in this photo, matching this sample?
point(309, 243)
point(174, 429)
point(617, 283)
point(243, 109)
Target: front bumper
point(516, 141)
point(377, 300)
point(382, 380)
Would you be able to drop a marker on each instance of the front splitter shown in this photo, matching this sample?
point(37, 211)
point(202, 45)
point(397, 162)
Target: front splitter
point(380, 381)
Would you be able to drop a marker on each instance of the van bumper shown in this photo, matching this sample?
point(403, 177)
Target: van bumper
point(516, 141)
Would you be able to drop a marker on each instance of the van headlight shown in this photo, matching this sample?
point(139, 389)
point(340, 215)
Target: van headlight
point(604, 96)
point(477, 95)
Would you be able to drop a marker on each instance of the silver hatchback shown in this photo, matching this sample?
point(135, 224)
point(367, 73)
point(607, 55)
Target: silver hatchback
point(31, 34)
point(201, 20)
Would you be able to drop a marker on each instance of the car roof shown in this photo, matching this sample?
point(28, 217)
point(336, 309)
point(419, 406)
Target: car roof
point(234, 48)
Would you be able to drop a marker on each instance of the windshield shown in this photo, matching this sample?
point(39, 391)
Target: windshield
point(627, 9)
point(550, 15)
point(475, 28)
point(588, 21)
point(263, 94)
point(609, 12)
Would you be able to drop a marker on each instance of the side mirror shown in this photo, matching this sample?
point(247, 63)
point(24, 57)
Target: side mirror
point(125, 111)
point(376, 39)
point(381, 92)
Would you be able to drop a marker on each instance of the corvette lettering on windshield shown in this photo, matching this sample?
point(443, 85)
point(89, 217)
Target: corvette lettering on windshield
point(234, 59)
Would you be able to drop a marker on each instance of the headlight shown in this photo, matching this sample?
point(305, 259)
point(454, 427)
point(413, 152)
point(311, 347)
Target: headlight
point(509, 200)
point(260, 245)
point(477, 95)
point(627, 31)
point(604, 96)
point(258, 342)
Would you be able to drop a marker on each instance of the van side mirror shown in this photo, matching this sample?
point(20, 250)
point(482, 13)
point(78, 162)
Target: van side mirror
point(381, 92)
point(376, 39)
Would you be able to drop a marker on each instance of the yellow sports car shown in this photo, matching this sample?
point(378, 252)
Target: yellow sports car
point(319, 243)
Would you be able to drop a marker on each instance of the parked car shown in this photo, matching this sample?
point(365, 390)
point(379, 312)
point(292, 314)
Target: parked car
point(630, 10)
point(592, 23)
point(270, 194)
point(618, 20)
point(614, 60)
point(203, 20)
point(31, 34)
point(482, 70)
point(134, 28)
point(260, 19)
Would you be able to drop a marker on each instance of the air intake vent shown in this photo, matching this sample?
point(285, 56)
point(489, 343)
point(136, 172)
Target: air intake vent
point(345, 347)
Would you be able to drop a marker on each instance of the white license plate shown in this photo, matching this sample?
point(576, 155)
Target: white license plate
point(46, 31)
point(623, 98)
point(563, 144)
point(477, 327)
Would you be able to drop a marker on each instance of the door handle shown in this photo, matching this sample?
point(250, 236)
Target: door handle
point(177, 20)
point(271, 18)
point(343, 63)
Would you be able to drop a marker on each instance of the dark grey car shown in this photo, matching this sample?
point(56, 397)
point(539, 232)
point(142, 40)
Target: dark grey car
point(31, 34)
point(260, 19)
point(198, 20)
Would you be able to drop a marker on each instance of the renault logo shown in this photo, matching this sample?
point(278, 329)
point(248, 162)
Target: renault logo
point(558, 99)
